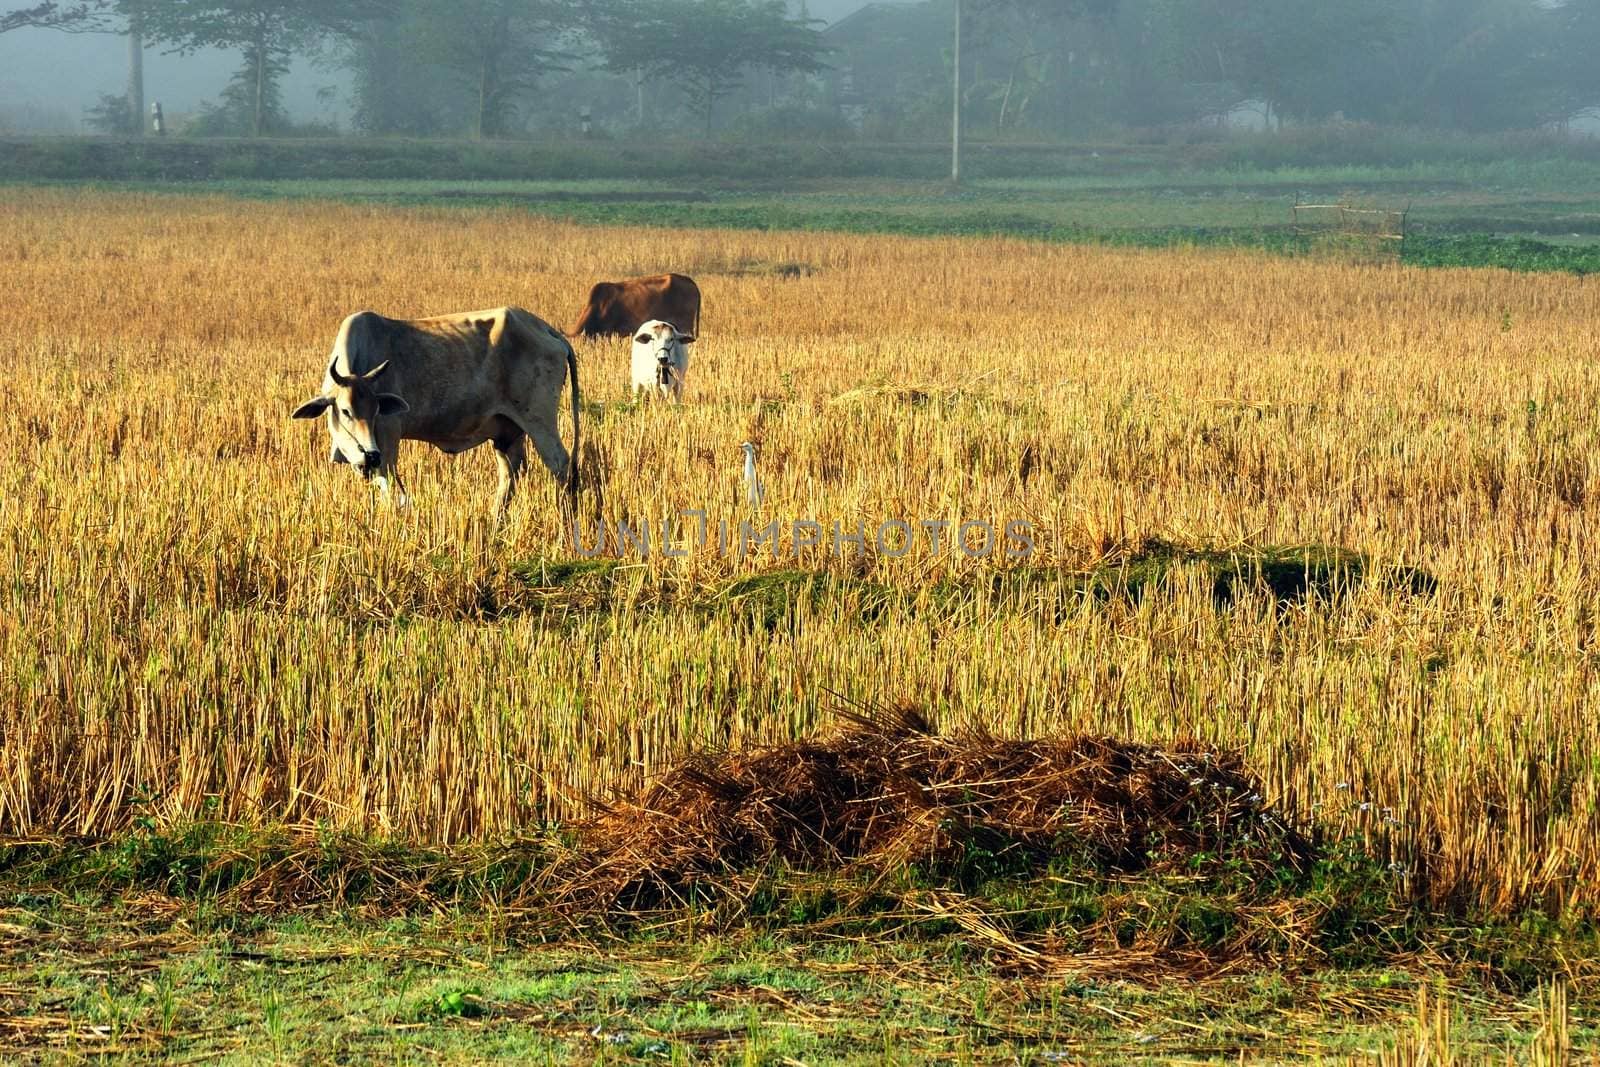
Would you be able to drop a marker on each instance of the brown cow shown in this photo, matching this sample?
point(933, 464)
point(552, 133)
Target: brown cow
point(616, 309)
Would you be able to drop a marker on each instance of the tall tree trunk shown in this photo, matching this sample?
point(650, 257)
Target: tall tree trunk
point(955, 120)
point(261, 83)
point(137, 121)
point(483, 98)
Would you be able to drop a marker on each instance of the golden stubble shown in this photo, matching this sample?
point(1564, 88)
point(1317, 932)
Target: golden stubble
point(200, 617)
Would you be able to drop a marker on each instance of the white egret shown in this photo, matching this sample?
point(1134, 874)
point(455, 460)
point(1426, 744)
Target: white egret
point(752, 485)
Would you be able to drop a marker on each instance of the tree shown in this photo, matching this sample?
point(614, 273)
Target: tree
point(1037, 43)
point(251, 103)
point(49, 16)
point(1032, 16)
point(268, 32)
point(1301, 57)
point(610, 25)
point(1576, 32)
point(392, 95)
point(95, 16)
point(111, 115)
point(134, 10)
point(1481, 64)
point(707, 47)
point(126, 17)
point(496, 48)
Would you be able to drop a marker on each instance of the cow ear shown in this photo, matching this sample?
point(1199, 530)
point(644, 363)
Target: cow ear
point(391, 404)
point(643, 339)
point(686, 338)
point(312, 408)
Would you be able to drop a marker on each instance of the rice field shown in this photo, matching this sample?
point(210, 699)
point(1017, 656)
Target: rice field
point(201, 618)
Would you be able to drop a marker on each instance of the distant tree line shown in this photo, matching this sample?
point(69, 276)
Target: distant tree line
point(504, 68)
point(1058, 67)
point(483, 68)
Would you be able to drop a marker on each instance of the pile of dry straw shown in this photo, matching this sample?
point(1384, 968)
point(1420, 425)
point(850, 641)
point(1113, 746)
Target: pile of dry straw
point(887, 792)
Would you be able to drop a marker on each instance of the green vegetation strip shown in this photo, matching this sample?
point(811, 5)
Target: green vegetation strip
point(1466, 250)
point(1516, 205)
point(1345, 910)
point(1242, 221)
point(1285, 574)
point(145, 980)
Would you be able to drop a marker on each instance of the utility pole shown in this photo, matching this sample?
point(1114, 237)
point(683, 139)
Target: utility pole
point(136, 71)
point(802, 93)
point(955, 122)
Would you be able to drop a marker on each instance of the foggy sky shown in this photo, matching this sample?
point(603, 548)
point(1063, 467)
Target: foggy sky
point(48, 78)
point(831, 10)
point(56, 75)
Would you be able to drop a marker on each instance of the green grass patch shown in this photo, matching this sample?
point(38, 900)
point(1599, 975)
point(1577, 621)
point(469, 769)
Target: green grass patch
point(1288, 574)
point(130, 985)
point(1507, 253)
point(263, 868)
point(771, 600)
point(777, 598)
point(1345, 911)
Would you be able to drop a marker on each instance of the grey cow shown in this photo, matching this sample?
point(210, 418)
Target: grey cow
point(454, 381)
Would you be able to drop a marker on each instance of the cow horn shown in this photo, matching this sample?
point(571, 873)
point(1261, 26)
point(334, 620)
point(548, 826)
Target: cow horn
point(338, 379)
point(372, 374)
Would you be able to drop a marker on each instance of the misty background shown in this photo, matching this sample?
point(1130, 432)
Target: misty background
point(50, 79)
point(818, 69)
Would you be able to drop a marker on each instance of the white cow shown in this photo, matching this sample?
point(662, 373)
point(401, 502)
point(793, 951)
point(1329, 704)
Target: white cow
point(660, 360)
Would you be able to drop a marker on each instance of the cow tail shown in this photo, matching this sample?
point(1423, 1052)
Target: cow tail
point(585, 322)
point(572, 464)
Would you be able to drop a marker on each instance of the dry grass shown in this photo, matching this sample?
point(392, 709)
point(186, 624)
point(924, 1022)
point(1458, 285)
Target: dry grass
point(199, 617)
point(886, 794)
point(1430, 1042)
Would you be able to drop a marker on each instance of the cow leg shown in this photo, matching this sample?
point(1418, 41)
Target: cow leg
point(547, 442)
point(510, 451)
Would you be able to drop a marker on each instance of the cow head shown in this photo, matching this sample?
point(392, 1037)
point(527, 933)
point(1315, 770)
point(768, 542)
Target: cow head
point(602, 315)
point(663, 342)
point(353, 404)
